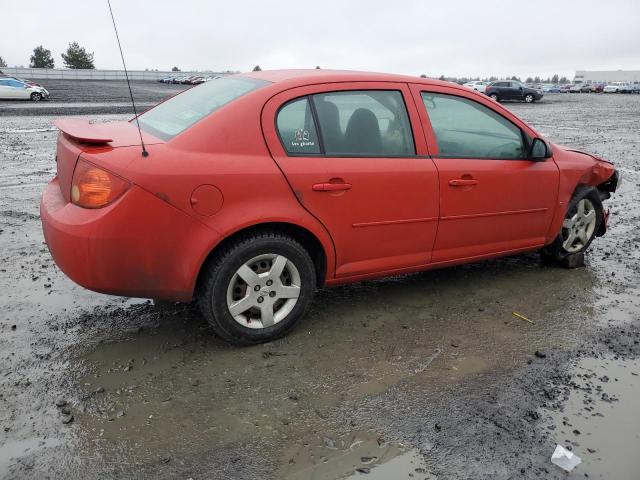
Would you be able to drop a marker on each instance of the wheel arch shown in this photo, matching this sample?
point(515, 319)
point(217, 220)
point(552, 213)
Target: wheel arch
point(311, 243)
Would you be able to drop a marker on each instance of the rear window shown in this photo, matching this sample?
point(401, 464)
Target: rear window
point(180, 112)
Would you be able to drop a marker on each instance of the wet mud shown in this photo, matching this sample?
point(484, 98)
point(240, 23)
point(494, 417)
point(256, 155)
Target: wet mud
point(422, 376)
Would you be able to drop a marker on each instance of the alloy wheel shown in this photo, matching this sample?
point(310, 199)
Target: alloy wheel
point(578, 229)
point(263, 291)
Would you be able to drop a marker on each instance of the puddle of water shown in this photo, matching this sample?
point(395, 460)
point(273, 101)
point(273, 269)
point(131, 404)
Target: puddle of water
point(357, 455)
point(601, 420)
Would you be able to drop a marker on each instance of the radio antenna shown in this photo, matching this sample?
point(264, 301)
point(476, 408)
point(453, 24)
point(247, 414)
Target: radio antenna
point(126, 74)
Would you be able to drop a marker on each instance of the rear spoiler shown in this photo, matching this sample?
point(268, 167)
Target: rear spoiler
point(82, 130)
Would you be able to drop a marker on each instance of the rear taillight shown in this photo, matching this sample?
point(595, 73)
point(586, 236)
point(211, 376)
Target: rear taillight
point(93, 187)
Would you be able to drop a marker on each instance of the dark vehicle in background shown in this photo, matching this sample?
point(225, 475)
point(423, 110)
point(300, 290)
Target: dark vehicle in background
point(566, 88)
point(512, 90)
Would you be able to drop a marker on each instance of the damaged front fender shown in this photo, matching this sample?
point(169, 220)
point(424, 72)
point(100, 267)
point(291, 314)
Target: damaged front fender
point(578, 168)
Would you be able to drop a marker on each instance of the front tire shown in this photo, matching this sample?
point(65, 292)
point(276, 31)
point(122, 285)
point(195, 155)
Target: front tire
point(581, 224)
point(36, 97)
point(495, 97)
point(528, 98)
point(257, 288)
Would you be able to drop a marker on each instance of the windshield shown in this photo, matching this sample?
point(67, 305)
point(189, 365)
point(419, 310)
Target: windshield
point(180, 112)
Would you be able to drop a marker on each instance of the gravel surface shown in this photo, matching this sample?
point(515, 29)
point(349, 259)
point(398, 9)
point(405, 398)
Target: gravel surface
point(421, 376)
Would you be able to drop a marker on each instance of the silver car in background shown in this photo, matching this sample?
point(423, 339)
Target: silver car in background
point(14, 89)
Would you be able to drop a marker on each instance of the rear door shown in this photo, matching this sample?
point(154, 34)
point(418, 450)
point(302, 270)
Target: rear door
point(355, 157)
point(492, 199)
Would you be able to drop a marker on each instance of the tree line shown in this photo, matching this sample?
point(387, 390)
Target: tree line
point(77, 57)
point(555, 79)
point(74, 57)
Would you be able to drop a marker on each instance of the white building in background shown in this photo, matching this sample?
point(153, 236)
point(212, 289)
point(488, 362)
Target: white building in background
point(607, 76)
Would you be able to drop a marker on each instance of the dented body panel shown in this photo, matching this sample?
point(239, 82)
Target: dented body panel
point(576, 168)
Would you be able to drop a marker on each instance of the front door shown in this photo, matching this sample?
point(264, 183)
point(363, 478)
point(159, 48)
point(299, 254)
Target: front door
point(356, 159)
point(493, 200)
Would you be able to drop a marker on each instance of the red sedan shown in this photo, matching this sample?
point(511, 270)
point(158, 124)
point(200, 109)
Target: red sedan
point(258, 188)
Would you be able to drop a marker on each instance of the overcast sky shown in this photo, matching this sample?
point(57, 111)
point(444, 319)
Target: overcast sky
point(450, 37)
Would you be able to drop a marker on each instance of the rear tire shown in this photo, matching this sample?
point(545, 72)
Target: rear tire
point(36, 97)
point(257, 288)
point(578, 228)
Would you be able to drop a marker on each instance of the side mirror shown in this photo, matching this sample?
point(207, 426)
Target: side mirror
point(539, 150)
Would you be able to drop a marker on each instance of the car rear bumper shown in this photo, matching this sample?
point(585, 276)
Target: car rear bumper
point(139, 246)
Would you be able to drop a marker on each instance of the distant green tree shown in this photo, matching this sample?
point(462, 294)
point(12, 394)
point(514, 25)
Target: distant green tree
point(2, 62)
point(537, 80)
point(564, 79)
point(257, 68)
point(77, 57)
point(317, 67)
point(555, 78)
point(423, 76)
point(41, 58)
point(175, 69)
point(529, 80)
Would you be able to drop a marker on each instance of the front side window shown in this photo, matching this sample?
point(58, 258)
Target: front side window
point(297, 129)
point(180, 112)
point(367, 123)
point(467, 129)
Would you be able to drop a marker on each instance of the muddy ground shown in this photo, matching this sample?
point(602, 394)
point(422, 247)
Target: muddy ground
point(421, 376)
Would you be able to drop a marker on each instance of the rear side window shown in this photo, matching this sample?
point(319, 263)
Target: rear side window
point(180, 112)
point(371, 123)
point(467, 129)
point(297, 129)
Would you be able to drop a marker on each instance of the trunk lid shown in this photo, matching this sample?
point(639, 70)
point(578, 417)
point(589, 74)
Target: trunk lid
point(78, 135)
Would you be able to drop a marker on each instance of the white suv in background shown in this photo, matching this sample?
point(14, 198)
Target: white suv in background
point(14, 89)
point(617, 87)
point(477, 85)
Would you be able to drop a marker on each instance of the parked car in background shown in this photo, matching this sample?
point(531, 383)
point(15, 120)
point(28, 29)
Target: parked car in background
point(14, 89)
point(617, 87)
point(196, 80)
point(286, 195)
point(551, 88)
point(565, 88)
point(512, 90)
point(577, 88)
point(477, 85)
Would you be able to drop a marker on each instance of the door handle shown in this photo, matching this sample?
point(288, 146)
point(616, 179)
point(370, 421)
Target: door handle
point(462, 182)
point(330, 187)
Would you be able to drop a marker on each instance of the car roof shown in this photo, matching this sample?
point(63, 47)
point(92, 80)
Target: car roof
point(305, 77)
